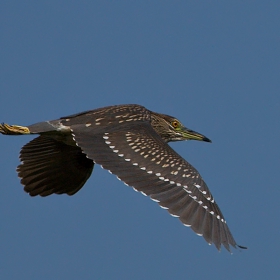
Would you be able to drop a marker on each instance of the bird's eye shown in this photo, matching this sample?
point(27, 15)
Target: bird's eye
point(175, 124)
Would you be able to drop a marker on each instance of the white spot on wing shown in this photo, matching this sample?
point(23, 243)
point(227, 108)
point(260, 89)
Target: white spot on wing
point(99, 119)
point(173, 215)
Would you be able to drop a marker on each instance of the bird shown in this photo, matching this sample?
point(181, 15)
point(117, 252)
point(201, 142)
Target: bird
point(131, 142)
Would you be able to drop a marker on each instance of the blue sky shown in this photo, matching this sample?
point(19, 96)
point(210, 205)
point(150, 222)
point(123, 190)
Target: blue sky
point(212, 64)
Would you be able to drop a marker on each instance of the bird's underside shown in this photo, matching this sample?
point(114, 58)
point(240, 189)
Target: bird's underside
point(126, 141)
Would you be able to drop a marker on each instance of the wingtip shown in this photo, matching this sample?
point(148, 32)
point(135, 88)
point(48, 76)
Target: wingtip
point(242, 247)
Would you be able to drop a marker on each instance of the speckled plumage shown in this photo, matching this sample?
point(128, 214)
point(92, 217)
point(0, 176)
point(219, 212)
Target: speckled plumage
point(131, 142)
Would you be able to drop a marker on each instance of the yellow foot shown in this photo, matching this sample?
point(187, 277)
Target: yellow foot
point(13, 129)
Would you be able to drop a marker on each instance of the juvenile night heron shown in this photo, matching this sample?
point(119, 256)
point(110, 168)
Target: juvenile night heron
point(131, 142)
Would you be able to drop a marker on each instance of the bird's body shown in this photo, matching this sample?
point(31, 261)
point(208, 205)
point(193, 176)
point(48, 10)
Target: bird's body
point(131, 142)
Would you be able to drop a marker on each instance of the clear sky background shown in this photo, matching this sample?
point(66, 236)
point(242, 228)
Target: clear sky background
point(212, 64)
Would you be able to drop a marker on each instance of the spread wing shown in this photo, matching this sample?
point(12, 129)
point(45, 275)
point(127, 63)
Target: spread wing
point(142, 160)
point(50, 166)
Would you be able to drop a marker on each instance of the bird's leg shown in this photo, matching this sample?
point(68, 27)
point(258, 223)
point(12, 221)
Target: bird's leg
point(13, 129)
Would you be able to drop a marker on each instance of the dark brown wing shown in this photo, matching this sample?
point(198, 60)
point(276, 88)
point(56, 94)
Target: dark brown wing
point(138, 156)
point(50, 166)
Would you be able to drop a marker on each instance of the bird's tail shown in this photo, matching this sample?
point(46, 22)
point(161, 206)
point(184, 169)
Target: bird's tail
point(13, 129)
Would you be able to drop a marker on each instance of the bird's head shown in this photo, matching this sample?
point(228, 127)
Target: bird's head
point(171, 129)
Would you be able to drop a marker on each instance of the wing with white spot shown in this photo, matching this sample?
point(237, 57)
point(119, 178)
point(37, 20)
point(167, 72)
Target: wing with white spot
point(139, 157)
